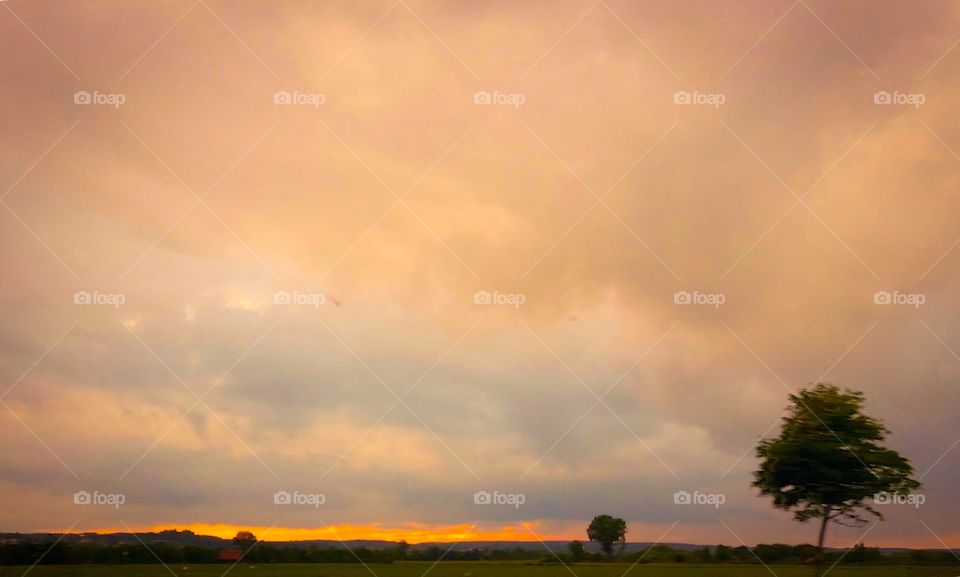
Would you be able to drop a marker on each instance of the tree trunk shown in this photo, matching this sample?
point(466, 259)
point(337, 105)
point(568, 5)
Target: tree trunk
point(821, 539)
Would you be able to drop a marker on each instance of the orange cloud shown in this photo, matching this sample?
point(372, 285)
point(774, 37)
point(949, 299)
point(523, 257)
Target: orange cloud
point(494, 198)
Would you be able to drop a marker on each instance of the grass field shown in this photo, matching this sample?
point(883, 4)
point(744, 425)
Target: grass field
point(468, 569)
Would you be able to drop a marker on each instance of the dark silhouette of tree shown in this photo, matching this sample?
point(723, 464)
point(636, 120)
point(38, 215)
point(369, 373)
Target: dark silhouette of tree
point(577, 551)
point(402, 549)
point(244, 539)
point(607, 530)
point(829, 459)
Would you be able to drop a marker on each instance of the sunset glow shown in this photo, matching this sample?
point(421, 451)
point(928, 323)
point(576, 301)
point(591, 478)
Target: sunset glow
point(412, 533)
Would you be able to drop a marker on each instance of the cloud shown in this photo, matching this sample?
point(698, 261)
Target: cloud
point(399, 198)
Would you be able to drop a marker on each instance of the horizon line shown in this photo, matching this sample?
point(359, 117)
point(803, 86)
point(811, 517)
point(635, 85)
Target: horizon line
point(413, 534)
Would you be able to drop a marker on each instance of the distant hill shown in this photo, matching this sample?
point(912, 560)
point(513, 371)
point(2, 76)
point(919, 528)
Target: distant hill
point(179, 538)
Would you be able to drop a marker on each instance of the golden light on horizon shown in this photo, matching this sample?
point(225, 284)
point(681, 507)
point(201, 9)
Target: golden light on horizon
point(413, 533)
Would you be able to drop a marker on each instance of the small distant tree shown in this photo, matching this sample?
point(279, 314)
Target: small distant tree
point(577, 551)
point(607, 530)
point(244, 539)
point(829, 459)
point(402, 549)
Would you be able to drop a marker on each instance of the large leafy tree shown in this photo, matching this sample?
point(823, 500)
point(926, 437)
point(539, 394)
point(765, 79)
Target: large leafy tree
point(829, 460)
point(607, 530)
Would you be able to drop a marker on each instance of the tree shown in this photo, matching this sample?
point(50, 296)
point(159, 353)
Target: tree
point(402, 549)
point(829, 459)
point(607, 530)
point(577, 551)
point(244, 539)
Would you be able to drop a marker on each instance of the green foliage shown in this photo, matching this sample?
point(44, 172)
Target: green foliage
point(607, 530)
point(829, 459)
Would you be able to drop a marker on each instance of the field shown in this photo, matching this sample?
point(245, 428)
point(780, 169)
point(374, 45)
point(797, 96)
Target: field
point(471, 569)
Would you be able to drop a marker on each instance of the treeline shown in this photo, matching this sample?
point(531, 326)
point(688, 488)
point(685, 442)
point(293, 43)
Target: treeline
point(26, 553)
point(83, 553)
point(771, 554)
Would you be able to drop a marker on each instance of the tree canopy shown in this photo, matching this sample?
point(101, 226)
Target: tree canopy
point(244, 539)
point(830, 459)
point(607, 530)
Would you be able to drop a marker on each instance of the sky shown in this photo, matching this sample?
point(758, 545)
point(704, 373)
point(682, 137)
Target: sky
point(379, 257)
